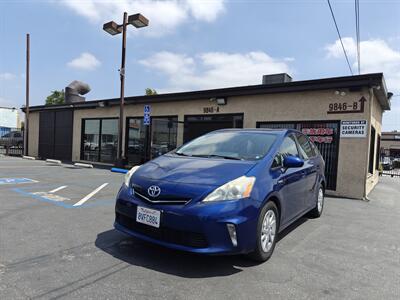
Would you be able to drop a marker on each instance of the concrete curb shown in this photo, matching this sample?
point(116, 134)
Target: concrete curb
point(53, 161)
point(81, 165)
point(28, 157)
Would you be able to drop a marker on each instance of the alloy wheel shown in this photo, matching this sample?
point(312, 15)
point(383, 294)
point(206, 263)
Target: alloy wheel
point(320, 203)
point(268, 230)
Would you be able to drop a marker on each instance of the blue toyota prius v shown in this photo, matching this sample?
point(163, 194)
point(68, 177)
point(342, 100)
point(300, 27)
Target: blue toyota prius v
point(229, 191)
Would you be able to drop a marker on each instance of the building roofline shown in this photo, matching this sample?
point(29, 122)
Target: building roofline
point(356, 81)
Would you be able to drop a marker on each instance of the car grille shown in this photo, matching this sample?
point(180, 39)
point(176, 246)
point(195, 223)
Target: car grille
point(163, 199)
point(165, 234)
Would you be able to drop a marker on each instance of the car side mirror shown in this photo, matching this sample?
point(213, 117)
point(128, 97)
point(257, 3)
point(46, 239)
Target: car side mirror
point(292, 162)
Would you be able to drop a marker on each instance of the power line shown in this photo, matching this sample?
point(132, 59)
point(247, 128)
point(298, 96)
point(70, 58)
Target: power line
point(340, 37)
point(357, 12)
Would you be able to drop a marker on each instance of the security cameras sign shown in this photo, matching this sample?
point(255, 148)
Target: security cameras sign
point(146, 115)
point(353, 129)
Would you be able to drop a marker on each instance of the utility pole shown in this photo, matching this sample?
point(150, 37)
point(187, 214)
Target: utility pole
point(26, 149)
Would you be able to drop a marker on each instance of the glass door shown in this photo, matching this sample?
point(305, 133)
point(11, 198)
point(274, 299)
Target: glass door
point(163, 135)
point(136, 141)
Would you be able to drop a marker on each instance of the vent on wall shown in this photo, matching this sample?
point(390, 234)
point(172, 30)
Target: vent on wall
point(276, 78)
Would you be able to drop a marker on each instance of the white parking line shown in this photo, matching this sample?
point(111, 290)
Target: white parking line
point(58, 189)
point(87, 197)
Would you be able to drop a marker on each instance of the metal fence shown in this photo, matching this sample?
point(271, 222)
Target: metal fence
point(392, 173)
point(11, 141)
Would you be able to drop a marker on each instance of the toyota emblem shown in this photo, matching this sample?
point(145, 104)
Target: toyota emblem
point(154, 191)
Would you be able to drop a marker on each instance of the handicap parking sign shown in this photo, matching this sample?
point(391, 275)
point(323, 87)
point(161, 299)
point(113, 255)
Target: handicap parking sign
point(146, 115)
point(146, 120)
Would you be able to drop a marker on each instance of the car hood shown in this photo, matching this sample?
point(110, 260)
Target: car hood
point(194, 170)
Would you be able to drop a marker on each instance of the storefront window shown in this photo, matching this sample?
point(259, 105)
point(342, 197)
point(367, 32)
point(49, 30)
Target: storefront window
point(100, 140)
point(163, 136)
point(136, 144)
point(91, 134)
point(109, 140)
point(146, 143)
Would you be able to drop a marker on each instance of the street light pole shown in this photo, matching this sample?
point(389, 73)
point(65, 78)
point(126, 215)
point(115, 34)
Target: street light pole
point(121, 153)
point(113, 28)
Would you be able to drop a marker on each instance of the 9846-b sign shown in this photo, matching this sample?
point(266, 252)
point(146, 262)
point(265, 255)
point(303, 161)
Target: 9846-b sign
point(347, 107)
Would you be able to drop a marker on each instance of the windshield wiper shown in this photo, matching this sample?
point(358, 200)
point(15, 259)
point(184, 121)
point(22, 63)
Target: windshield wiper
point(218, 156)
point(181, 154)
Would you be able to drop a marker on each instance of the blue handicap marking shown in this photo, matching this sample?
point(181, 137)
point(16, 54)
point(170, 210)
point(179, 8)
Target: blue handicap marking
point(147, 109)
point(146, 120)
point(15, 180)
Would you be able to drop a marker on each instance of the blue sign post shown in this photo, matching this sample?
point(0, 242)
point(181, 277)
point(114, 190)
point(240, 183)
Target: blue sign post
point(146, 115)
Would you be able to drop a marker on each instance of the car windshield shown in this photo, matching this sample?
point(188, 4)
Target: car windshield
point(229, 145)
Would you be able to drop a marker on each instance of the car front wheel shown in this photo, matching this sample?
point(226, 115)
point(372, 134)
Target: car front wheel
point(267, 231)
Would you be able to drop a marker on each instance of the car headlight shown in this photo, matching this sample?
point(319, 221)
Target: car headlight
point(236, 189)
point(129, 175)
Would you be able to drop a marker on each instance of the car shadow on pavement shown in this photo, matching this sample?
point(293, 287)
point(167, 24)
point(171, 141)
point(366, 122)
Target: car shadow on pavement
point(188, 265)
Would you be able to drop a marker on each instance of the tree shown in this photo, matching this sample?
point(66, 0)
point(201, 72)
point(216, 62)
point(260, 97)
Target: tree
point(150, 92)
point(56, 97)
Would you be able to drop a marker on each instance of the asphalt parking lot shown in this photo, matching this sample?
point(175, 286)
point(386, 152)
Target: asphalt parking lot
point(57, 241)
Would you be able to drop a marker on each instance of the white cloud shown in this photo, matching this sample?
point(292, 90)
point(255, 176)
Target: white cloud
point(204, 10)
point(86, 61)
point(213, 69)
point(164, 15)
point(376, 56)
point(6, 76)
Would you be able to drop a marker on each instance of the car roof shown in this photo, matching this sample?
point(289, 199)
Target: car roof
point(277, 131)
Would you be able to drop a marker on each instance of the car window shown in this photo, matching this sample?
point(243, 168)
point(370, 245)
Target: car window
point(288, 148)
point(17, 135)
point(305, 147)
point(6, 135)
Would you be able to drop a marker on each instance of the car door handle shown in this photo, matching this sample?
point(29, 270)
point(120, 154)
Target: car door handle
point(281, 181)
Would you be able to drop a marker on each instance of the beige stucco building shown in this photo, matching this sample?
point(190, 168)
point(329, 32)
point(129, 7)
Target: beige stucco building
point(342, 115)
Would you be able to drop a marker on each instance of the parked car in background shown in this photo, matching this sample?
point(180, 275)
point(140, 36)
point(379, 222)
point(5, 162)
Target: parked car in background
point(12, 139)
point(387, 163)
point(229, 191)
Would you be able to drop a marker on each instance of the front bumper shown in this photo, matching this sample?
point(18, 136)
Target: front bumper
point(195, 227)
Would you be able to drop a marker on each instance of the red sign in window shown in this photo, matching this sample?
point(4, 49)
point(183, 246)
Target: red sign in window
point(319, 135)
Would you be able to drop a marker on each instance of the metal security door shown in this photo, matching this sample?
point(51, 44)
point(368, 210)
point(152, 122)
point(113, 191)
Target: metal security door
point(325, 135)
point(55, 134)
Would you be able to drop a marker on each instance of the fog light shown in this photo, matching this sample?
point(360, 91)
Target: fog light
point(232, 233)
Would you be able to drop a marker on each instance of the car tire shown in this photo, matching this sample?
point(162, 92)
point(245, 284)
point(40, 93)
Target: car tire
point(267, 233)
point(316, 212)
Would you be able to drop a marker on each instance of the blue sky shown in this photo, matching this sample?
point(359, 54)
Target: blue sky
point(192, 44)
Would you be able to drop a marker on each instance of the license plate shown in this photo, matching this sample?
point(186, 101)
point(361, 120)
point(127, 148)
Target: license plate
point(148, 216)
